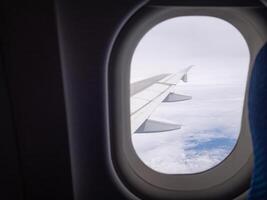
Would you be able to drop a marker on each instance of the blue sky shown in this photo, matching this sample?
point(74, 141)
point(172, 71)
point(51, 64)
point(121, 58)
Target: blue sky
point(211, 120)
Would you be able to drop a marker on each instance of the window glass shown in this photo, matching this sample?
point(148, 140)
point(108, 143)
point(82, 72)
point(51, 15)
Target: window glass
point(188, 81)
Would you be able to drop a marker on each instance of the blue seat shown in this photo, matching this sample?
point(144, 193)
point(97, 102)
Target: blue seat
point(257, 105)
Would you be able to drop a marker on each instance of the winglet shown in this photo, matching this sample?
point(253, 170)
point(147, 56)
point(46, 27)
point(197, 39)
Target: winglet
point(184, 77)
point(152, 126)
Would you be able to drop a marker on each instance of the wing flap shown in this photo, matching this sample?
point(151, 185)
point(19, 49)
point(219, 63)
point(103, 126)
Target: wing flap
point(172, 97)
point(152, 126)
point(145, 108)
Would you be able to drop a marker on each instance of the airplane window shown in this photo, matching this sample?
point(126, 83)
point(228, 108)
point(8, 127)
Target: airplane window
point(187, 88)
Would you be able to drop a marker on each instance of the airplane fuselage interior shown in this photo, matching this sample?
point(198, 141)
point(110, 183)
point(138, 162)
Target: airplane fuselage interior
point(133, 100)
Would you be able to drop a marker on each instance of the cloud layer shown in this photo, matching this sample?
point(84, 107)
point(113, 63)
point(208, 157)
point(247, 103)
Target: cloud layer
point(211, 120)
point(210, 128)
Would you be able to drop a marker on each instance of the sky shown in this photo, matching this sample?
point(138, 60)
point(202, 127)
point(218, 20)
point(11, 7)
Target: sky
point(211, 120)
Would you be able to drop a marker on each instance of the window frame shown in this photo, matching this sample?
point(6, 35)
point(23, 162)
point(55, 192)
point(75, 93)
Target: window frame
point(217, 181)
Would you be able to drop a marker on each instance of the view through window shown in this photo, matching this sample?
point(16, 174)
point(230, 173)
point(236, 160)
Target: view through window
point(188, 81)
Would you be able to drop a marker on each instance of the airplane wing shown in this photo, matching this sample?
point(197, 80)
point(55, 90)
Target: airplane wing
point(148, 94)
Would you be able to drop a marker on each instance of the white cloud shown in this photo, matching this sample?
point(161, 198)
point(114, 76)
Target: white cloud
point(202, 121)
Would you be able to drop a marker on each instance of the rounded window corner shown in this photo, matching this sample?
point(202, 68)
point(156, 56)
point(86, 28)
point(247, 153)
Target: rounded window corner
point(138, 176)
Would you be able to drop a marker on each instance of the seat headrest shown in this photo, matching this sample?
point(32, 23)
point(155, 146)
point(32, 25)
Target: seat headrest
point(257, 106)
